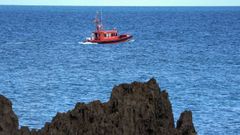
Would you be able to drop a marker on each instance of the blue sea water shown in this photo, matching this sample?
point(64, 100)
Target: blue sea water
point(194, 53)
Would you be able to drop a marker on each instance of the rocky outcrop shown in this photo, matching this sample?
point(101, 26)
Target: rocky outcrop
point(133, 109)
point(8, 119)
point(185, 125)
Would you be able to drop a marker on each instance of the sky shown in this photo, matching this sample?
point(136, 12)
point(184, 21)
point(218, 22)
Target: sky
point(124, 2)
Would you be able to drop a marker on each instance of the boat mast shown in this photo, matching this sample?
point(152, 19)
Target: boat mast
point(98, 22)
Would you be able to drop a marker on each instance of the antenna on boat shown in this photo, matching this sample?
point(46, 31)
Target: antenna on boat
point(98, 21)
point(101, 16)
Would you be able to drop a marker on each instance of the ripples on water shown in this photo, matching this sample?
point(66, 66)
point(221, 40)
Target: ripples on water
point(192, 52)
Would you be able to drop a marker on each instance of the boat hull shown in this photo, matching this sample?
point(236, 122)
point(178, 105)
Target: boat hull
point(121, 38)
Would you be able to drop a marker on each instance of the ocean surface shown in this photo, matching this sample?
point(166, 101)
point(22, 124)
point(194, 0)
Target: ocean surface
point(194, 53)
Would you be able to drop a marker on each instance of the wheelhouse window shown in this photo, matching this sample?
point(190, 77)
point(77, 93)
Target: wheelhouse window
point(108, 35)
point(113, 34)
point(96, 36)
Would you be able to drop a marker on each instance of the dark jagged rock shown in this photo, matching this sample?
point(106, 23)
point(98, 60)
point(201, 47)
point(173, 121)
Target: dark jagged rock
point(185, 125)
point(133, 109)
point(8, 119)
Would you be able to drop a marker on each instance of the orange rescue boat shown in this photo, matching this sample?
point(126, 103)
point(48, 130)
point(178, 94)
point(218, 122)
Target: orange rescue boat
point(102, 36)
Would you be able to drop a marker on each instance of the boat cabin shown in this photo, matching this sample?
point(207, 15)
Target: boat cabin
point(105, 35)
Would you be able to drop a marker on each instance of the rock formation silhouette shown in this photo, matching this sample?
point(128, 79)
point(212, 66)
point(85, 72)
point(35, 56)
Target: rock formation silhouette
point(133, 109)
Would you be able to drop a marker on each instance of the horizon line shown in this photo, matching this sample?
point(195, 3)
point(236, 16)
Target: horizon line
point(121, 5)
